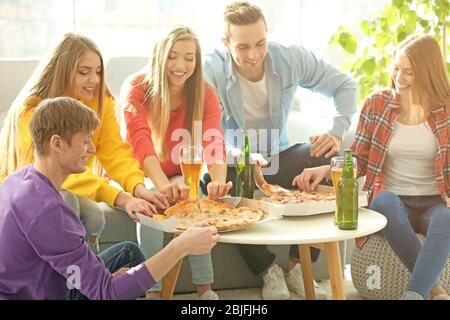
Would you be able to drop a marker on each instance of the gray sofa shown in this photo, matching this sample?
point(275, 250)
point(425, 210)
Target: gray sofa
point(229, 268)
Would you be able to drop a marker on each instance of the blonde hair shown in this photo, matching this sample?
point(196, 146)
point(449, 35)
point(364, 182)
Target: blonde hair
point(241, 13)
point(157, 88)
point(52, 78)
point(430, 73)
point(61, 116)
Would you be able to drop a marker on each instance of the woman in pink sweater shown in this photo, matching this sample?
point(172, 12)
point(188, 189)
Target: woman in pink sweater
point(165, 105)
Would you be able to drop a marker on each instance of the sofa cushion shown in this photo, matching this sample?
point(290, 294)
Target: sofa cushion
point(119, 227)
point(117, 69)
point(15, 73)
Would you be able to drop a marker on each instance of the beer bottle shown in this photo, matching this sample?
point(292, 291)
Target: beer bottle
point(347, 216)
point(245, 175)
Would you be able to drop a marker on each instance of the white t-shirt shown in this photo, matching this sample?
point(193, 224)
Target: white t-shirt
point(409, 166)
point(256, 105)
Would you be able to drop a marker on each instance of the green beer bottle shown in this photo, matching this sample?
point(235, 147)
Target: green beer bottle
point(347, 215)
point(245, 175)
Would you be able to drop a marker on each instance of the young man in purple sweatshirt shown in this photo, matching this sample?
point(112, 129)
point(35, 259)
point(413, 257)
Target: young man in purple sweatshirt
point(43, 254)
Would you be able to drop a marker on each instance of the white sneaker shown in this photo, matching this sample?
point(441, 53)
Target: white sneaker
point(274, 287)
point(411, 295)
point(209, 295)
point(294, 281)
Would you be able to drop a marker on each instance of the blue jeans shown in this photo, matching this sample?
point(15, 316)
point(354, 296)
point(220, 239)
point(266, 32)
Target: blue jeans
point(90, 214)
point(406, 216)
point(151, 241)
point(122, 255)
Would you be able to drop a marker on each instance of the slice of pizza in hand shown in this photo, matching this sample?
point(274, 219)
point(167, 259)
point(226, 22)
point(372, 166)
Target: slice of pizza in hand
point(275, 190)
point(268, 189)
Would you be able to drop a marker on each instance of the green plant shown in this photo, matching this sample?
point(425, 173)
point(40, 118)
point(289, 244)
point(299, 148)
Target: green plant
point(370, 58)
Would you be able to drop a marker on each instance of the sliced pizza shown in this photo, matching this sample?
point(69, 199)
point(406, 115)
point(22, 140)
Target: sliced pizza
point(220, 215)
point(280, 196)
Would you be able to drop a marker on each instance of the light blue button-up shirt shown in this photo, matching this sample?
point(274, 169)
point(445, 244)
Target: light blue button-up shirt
point(286, 68)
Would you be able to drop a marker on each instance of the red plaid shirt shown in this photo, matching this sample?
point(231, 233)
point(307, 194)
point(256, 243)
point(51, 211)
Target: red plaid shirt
point(374, 132)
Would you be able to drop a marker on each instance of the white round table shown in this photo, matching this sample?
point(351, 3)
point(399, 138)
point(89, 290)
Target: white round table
point(318, 231)
point(318, 228)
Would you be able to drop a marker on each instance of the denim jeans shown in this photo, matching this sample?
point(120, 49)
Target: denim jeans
point(122, 255)
point(291, 163)
point(151, 241)
point(406, 216)
point(90, 214)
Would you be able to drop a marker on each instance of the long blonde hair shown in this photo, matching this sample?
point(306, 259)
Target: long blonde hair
point(430, 73)
point(52, 78)
point(157, 88)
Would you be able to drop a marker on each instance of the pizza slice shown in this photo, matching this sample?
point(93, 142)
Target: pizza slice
point(268, 189)
point(184, 206)
point(315, 196)
point(275, 190)
point(300, 197)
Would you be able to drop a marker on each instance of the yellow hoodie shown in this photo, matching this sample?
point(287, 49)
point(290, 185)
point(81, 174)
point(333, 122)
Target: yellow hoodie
point(113, 153)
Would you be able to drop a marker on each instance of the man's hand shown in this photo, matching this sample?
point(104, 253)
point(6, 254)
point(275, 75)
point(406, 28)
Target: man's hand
point(218, 189)
point(155, 198)
point(199, 239)
point(310, 178)
point(175, 192)
point(325, 144)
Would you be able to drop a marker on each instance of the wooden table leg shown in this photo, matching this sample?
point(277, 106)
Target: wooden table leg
point(307, 270)
point(170, 281)
point(334, 268)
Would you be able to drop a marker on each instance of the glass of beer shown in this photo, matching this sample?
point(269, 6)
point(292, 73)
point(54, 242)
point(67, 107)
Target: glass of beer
point(337, 169)
point(191, 161)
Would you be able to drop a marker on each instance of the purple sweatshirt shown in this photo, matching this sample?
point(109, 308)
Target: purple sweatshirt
point(42, 243)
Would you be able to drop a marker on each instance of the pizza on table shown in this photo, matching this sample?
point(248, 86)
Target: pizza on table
point(223, 216)
point(277, 194)
point(226, 217)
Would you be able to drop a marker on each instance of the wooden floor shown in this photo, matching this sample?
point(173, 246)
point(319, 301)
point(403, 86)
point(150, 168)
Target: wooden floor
point(255, 293)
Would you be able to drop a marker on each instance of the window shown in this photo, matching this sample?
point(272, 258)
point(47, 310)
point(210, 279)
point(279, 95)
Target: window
point(27, 27)
point(122, 27)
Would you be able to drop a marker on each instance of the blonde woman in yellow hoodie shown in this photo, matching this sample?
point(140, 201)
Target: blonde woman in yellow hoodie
point(75, 69)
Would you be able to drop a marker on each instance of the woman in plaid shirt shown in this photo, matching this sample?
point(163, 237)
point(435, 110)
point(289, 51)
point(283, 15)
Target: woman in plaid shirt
point(402, 140)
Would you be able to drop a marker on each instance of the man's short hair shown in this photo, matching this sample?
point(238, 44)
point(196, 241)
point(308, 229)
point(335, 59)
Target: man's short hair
point(241, 13)
point(62, 116)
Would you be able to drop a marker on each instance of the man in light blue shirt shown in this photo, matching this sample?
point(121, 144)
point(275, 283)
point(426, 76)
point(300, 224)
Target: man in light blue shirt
point(256, 81)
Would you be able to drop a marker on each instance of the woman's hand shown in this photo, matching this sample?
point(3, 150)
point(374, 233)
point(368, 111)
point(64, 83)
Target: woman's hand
point(310, 178)
point(175, 192)
point(218, 189)
point(131, 205)
point(157, 199)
